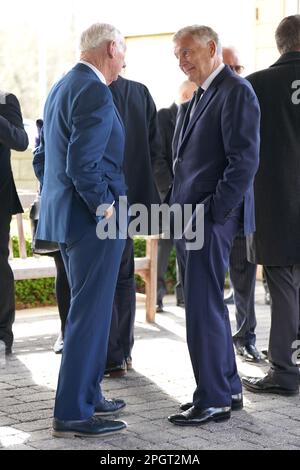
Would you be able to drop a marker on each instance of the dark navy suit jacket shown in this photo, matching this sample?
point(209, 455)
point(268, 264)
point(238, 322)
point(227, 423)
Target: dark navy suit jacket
point(82, 154)
point(218, 152)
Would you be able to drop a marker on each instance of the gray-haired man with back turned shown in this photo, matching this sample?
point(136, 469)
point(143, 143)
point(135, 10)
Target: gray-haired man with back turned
point(83, 155)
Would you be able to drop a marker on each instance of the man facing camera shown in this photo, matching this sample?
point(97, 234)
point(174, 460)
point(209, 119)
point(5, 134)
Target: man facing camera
point(83, 154)
point(217, 158)
point(12, 136)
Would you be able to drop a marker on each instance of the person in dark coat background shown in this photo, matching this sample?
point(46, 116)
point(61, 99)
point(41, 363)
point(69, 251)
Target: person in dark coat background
point(276, 242)
point(12, 136)
point(242, 272)
point(142, 144)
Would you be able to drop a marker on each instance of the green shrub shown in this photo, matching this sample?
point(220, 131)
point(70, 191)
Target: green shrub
point(35, 292)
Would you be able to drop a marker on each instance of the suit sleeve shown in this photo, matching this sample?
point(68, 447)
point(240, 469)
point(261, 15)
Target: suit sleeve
point(241, 140)
point(92, 123)
point(12, 132)
point(162, 174)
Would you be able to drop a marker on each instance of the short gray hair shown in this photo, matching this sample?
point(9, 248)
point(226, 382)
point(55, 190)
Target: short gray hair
point(288, 34)
point(203, 33)
point(98, 34)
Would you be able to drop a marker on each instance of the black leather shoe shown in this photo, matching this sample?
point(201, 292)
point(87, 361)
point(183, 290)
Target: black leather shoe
point(93, 427)
point(249, 352)
point(109, 407)
point(266, 385)
point(159, 307)
point(198, 416)
point(236, 403)
point(115, 370)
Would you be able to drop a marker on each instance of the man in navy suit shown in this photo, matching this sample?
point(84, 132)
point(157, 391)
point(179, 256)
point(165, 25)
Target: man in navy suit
point(83, 153)
point(217, 158)
point(12, 136)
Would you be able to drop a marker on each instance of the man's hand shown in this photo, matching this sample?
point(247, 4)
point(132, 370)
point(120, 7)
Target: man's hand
point(109, 212)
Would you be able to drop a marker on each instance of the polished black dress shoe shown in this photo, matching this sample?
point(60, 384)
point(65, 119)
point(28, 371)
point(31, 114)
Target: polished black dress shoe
point(198, 416)
point(109, 407)
point(267, 385)
point(115, 370)
point(236, 403)
point(249, 352)
point(93, 427)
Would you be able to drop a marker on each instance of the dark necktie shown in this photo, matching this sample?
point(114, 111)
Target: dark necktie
point(197, 96)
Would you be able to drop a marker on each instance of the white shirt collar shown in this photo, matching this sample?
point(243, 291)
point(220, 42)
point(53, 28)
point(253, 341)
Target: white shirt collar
point(97, 72)
point(212, 76)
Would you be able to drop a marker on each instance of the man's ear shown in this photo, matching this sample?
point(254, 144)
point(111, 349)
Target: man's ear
point(111, 49)
point(212, 48)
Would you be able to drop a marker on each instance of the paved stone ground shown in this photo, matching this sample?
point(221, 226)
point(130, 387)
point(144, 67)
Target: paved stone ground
point(162, 378)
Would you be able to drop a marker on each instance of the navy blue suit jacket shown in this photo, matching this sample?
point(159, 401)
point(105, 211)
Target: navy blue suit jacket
point(218, 152)
point(81, 152)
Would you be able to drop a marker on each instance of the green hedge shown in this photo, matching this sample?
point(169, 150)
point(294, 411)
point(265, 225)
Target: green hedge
point(35, 292)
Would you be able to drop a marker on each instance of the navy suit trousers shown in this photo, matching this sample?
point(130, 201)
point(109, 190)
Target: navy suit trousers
point(208, 328)
point(121, 337)
point(92, 267)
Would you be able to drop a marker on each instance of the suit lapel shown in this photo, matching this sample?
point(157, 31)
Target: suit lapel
point(185, 123)
point(201, 106)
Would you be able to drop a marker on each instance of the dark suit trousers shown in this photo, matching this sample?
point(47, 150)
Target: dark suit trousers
point(208, 327)
point(121, 336)
point(284, 285)
point(181, 260)
point(243, 279)
point(92, 266)
point(62, 290)
point(164, 249)
point(7, 288)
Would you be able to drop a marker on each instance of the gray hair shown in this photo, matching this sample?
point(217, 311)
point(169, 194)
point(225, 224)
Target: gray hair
point(288, 34)
point(98, 34)
point(204, 34)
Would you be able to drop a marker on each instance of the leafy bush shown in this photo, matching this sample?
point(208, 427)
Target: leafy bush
point(35, 292)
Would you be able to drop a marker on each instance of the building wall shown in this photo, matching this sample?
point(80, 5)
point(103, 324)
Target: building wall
point(249, 24)
point(269, 13)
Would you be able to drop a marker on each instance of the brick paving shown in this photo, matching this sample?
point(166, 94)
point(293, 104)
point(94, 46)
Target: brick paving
point(162, 378)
